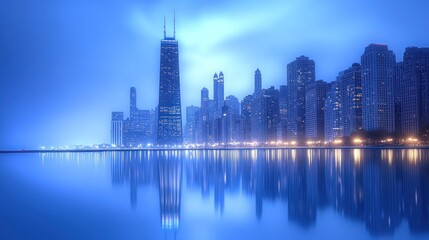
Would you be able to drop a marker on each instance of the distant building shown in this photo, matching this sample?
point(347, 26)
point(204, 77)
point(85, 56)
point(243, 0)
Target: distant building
point(204, 124)
point(246, 118)
point(192, 122)
point(333, 122)
point(265, 115)
point(258, 81)
point(315, 110)
point(138, 129)
point(351, 99)
point(378, 110)
point(169, 107)
point(233, 118)
point(133, 102)
point(300, 73)
point(117, 128)
point(283, 105)
point(398, 82)
point(415, 91)
point(218, 92)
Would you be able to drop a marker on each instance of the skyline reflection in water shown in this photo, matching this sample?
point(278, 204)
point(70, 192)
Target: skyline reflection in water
point(380, 189)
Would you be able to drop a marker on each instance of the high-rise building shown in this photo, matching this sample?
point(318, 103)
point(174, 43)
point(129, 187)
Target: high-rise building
point(218, 93)
point(415, 91)
point(378, 110)
point(233, 118)
point(351, 99)
point(315, 110)
point(258, 81)
point(333, 122)
point(117, 128)
point(282, 130)
point(265, 115)
point(169, 107)
point(246, 118)
point(300, 73)
point(137, 129)
point(192, 122)
point(133, 102)
point(399, 76)
point(204, 117)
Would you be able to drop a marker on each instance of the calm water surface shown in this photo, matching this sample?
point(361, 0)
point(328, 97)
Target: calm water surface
point(216, 194)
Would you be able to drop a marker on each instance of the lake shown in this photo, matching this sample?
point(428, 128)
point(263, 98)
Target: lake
point(216, 194)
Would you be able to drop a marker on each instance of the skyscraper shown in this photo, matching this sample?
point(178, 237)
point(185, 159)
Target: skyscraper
point(258, 81)
point(300, 73)
point(351, 99)
point(333, 122)
point(218, 92)
point(233, 118)
point(265, 115)
point(283, 100)
point(398, 79)
point(169, 107)
point(246, 118)
point(117, 128)
point(204, 117)
point(378, 64)
point(315, 110)
point(133, 102)
point(192, 122)
point(415, 91)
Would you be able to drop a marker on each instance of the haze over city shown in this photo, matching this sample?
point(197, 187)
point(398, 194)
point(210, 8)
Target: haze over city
point(66, 65)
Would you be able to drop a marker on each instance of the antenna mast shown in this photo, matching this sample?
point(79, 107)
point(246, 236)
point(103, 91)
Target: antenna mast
point(164, 28)
point(174, 22)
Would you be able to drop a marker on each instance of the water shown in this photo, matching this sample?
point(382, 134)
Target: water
point(215, 194)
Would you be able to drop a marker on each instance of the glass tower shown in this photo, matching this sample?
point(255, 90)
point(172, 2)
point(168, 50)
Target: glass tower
point(169, 108)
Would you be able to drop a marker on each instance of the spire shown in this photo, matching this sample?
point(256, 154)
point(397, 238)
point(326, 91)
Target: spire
point(164, 28)
point(174, 22)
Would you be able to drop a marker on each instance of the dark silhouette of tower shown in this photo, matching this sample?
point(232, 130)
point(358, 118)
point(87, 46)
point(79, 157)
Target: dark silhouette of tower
point(133, 102)
point(169, 108)
point(258, 81)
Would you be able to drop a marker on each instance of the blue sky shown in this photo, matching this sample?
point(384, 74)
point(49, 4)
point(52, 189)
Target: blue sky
point(65, 65)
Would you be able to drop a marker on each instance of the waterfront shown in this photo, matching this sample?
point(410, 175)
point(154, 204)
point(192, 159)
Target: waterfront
point(216, 194)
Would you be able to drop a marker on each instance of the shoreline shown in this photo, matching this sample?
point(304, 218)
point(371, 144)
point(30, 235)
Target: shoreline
point(208, 149)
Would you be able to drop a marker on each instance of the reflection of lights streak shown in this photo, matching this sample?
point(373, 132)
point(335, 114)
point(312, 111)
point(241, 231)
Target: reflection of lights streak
point(357, 156)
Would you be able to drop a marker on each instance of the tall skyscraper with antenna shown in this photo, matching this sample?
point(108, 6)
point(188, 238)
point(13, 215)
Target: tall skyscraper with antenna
point(169, 108)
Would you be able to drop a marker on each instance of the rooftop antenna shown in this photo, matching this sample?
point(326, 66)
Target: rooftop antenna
point(164, 28)
point(174, 22)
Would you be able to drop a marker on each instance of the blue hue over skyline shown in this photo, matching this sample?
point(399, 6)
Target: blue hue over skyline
point(65, 66)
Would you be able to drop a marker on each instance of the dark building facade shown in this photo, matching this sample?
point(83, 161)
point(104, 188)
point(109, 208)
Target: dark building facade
point(300, 73)
point(246, 118)
point(415, 91)
point(258, 81)
point(378, 110)
point(117, 128)
point(169, 107)
point(315, 110)
point(351, 99)
point(265, 115)
point(283, 105)
point(333, 121)
point(192, 123)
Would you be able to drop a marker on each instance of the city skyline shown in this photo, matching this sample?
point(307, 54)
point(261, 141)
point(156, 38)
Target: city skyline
point(70, 124)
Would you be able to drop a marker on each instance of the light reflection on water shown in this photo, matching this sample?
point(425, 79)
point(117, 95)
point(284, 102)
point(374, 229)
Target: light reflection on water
point(379, 189)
